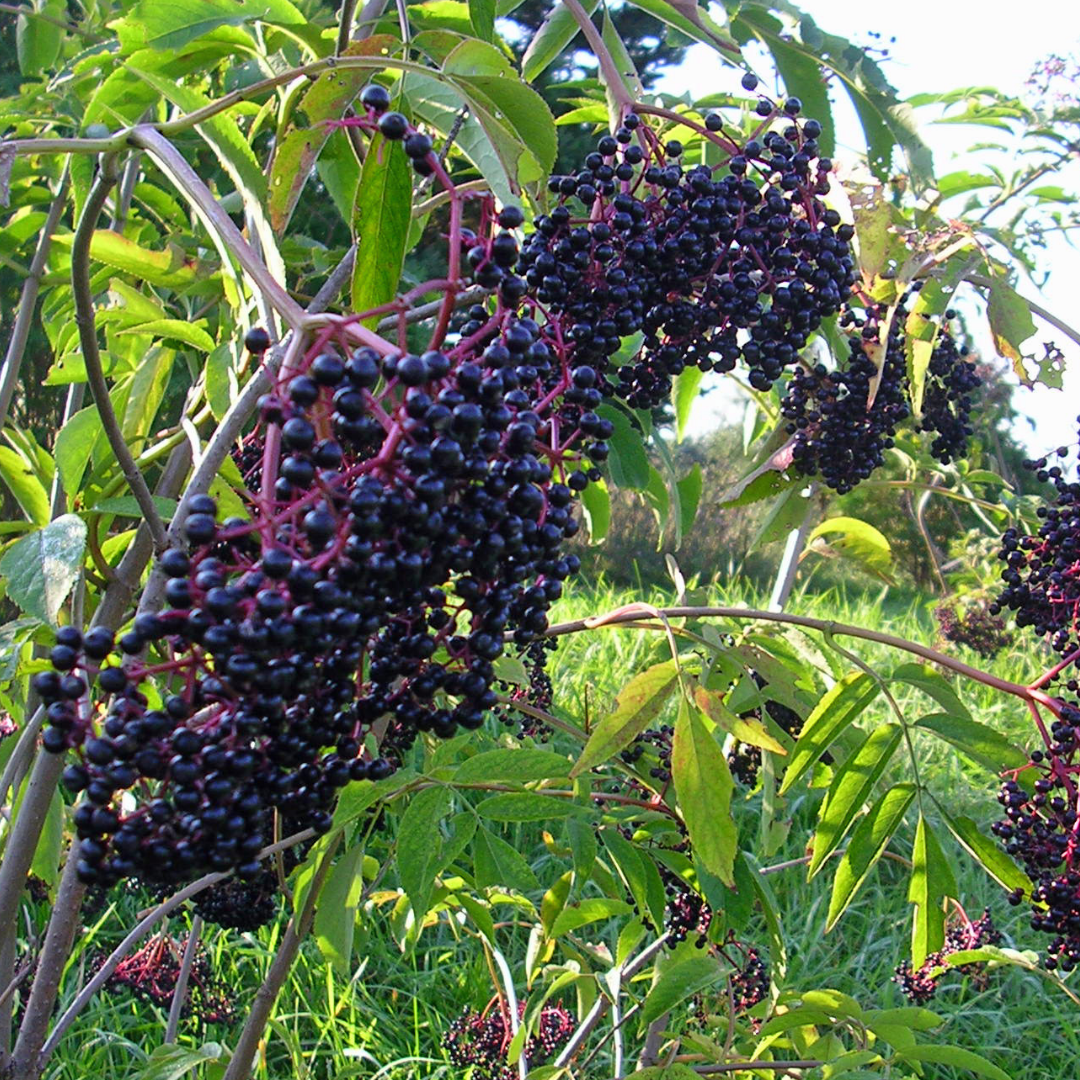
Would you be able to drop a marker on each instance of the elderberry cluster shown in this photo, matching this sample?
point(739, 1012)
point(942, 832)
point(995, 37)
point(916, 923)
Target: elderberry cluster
point(951, 379)
point(974, 626)
point(1042, 572)
point(407, 528)
point(235, 904)
point(840, 432)
point(920, 985)
point(743, 759)
point(151, 974)
point(482, 1040)
point(713, 265)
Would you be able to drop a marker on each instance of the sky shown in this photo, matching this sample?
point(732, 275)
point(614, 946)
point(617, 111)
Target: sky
point(942, 45)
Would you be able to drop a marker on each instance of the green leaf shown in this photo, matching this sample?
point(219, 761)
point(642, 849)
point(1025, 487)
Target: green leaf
point(689, 489)
point(910, 1016)
point(684, 392)
point(955, 1056)
point(988, 854)
point(931, 683)
point(335, 917)
point(420, 845)
point(980, 743)
point(153, 24)
point(482, 17)
point(556, 32)
point(308, 133)
point(128, 506)
point(497, 863)
point(865, 847)
point(1011, 325)
point(170, 268)
point(638, 704)
point(746, 729)
point(858, 540)
point(851, 787)
point(42, 567)
point(703, 785)
point(596, 502)
point(38, 42)
point(21, 480)
point(175, 330)
point(675, 1071)
point(583, 848)
point(676, 983)
point(526, 806)
point(514, 766)
point(588, 911)
point(931, 882)
point(693, 21)
point(383, 213)
point(629, 464)
point(171, 1062)
point(833, 714)
point(639, 875)
point(80, 432)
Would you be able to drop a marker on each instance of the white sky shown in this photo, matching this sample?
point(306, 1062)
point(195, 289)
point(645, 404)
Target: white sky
point(942, 45)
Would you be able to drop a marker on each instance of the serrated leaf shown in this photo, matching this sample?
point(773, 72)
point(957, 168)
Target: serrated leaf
point(156, 25)
point(703, 785)
point(335, 917)
point(37, 40)
point(573, 916)
point(746, 729)
point(42, 567)
point(931, 882)
point(1011, 325)
point(638, 704)
point(955, 1056)
point(857, 540)
point(596, 502)
point(639, 875)
point(980, 743)
point(868, 841)
point(679, 981)
point(80, 432)
point(128, 506)
point(171, 1062)
point(629, 463)
point(497, 863)
point(420, 845)
point(989, 855)
point(556, 32)
point(851, 787)
point(513, 766)
point(689, 489)
point(170, 268)
point(835, 712)
point(931, 683)
point(684, 392)
point(482, 17)
point(382, 218)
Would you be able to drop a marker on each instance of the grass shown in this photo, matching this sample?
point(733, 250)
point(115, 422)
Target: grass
point(383, 1018)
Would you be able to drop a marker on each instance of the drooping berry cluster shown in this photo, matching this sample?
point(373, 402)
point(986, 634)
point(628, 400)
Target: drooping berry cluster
point(951, 379)
point(1042, 572)
point(240, 905)
point(919, 986)
point(659, 742)
point(151, 974)
point(712, 264)
point(481, 1040)
point(972, 625)
point(843, 421)
point(538, 693)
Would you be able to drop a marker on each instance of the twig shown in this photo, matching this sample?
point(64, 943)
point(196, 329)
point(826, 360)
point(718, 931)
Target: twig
point(95, 376)
point(247, 1044)
point(24, 317)
point(348, 10)
point(139, 931)
point(600, 1006)
point(183, 976)
point(333, 285)
point(632, 614)
point(187, 181)
point(612, 77)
